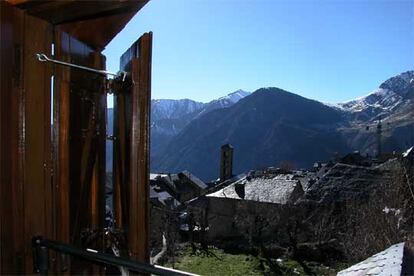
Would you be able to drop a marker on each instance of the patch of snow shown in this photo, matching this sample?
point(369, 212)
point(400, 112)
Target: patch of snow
point(392, 210)
point(235, 96)
point(335, 106)
point(170, 109)
point(379, 99)
point(224, 102)
point(154, 176)
point(407, 152)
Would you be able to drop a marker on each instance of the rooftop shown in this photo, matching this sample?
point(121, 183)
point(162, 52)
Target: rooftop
point(279, 189)
point(385, 263)
point(194, 179)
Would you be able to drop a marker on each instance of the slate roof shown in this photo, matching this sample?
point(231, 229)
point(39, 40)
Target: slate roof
point(163, 197)
point(385, 263)
point(195, 179)
point(279, 189)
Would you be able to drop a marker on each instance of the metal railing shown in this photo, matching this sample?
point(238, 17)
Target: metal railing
point(41, 248)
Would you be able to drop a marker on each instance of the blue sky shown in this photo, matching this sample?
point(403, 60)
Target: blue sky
point(330, 51)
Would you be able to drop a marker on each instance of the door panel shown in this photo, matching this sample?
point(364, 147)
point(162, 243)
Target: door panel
point(131, 151)
point(11, 201)
point(79, 143)
point(25, 187)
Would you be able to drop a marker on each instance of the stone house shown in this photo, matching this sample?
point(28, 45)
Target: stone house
point(248, 209)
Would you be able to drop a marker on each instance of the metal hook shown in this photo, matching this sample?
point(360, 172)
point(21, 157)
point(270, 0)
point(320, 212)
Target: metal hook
point(42, 57)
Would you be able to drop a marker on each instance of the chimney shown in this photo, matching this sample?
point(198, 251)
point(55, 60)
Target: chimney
point(226, 162)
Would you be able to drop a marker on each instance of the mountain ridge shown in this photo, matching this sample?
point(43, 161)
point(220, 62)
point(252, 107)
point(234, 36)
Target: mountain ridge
point(266, 128)
point(287, 135)
point(254, 129)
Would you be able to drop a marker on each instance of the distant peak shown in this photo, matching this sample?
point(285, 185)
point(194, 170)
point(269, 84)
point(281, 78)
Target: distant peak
point(400, 83)
point(234, 96)
point(239, 92)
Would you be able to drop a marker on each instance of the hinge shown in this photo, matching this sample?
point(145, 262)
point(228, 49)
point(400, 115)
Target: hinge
point(111, 137)
point(116, 85)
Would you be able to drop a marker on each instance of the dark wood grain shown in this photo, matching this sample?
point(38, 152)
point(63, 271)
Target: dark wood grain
point(99, 172)
point(61, 142)
point(133, 121)
point(26, 171)
point(119, 162)
point(94, 22)
point(11, 185)
point(80, 104)
point(37, 183)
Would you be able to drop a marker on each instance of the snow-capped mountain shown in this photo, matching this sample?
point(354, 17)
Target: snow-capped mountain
point(392, 104)
point(173, 109)
point(266, 128)
point(272, 126)
point(231, 98)
point(394, 95)
point(402, 84)
point(224, 102)
point(169, 117)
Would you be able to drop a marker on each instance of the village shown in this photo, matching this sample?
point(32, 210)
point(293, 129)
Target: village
point(281, 211)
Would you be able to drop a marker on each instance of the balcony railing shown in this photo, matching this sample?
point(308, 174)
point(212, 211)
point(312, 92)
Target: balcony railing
point(42, 246)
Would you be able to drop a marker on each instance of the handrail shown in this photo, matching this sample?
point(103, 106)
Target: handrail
point(41, 258)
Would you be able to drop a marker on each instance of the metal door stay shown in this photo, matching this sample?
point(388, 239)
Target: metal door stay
point(44, 58)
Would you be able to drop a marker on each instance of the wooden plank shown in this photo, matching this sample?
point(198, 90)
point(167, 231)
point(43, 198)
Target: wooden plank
point(82, 139)
point(93, 22)
point(141, 131)
point(61, 140)
point(83, 218)
point(99, 172)
point(82, 135)
point(137, 60)
point(11, 183)
point(120, 162)
point(86, 30)
point(37, 185)
point(58, 12)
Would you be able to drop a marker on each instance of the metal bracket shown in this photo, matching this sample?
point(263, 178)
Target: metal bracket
point(40, 256)
point(120, 75)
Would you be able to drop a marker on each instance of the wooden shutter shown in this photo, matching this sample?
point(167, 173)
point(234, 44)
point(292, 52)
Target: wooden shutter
point(131, 150)
point(25, 171)
point(79, 143)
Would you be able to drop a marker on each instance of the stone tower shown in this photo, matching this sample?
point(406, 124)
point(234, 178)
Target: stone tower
point(226, 162)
